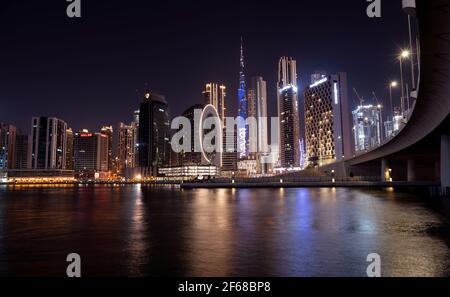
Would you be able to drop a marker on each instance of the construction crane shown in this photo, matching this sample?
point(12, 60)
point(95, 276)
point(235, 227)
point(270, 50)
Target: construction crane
point(380, 108)
point(379, 105)
point(361, 99)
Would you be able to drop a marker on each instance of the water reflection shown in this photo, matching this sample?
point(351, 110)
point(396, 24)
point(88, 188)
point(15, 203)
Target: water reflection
point(149, 230)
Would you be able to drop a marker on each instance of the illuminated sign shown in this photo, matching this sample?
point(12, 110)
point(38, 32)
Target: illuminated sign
point(294, 88)
point(242, 141)
point(336, 94)
point(319, 82)
point(86, 135)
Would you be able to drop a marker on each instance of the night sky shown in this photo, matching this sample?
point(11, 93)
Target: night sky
point(93, 70)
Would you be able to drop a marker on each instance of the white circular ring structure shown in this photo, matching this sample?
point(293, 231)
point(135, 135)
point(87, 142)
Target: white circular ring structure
point(212, 158)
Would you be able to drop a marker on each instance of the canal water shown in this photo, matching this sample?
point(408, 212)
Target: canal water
point(139, 230)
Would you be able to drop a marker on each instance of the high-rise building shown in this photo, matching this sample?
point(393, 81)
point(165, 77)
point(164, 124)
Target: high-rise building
point(7, 146)
point(392, 127)
point(257, 108)
point(289, 125)
point(193, 156)
point(242, 109)
point(154, 134)
point(327, 120)
point(215, 95)
point(230, 153)
point(48, 143)
point(22, 151)
point(108, 131)
point(90, 152)
point(367, 127)
point(125, 151)
point(69, 149)
point(135, 124)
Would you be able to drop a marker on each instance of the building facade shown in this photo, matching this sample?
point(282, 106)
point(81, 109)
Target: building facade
point(48, 143)
point(22, 151)
point(327, 120)
point(193, 156)
point(215, 95)
point(187, 173)
point(90, 153)
point(7, 146)
point(69, 149)
point(230, 152)
point(243, 135)
point(125, 147)
point(289, 129)
point(367, 127)
point(109, 132)
point(135, 125)
point(154, 147)
point(257, 103)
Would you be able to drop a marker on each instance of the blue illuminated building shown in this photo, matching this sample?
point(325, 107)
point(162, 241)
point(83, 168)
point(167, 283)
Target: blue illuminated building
point(242, 110)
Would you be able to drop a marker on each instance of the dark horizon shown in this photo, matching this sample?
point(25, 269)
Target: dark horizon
point(87, 71)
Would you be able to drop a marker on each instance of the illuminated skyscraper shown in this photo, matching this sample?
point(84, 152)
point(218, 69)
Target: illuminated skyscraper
point(327, 120)
point(108, 131)
point(125, 151)
point(154, 134)
point(90, 153)
point(367, 127)
point(391, 128)
point(192, 157)
point(135, 125)
point(7, 146)
point(257, 108)
point(215, 95)
point(49, 141)
point(22, 151)
point(242, 109)
point(289, 145)
point(69, 149)
point(230, 154)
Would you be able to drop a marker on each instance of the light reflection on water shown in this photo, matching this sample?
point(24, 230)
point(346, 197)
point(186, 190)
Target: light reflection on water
point(146, 230)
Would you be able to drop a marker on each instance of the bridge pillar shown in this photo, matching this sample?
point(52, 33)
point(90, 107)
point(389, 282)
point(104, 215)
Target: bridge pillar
point(384, 168)
point(411, 170)
point(445, 161)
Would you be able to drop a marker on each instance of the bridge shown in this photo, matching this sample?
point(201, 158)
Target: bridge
point(421, 150)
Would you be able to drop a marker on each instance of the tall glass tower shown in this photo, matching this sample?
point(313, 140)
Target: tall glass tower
point(154, 134)
point(242, 109)
point(289, 142)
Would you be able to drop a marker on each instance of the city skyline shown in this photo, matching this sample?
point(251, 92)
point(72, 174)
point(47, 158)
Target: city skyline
point(113, 104)
point(227, 145)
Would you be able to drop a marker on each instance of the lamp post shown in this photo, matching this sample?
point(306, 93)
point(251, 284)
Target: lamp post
point(392, 85)
point(404, 55)
point(413, 78)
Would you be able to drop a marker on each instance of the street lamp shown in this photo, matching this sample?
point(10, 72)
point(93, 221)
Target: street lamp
point(393, 84)
point(403, 55)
